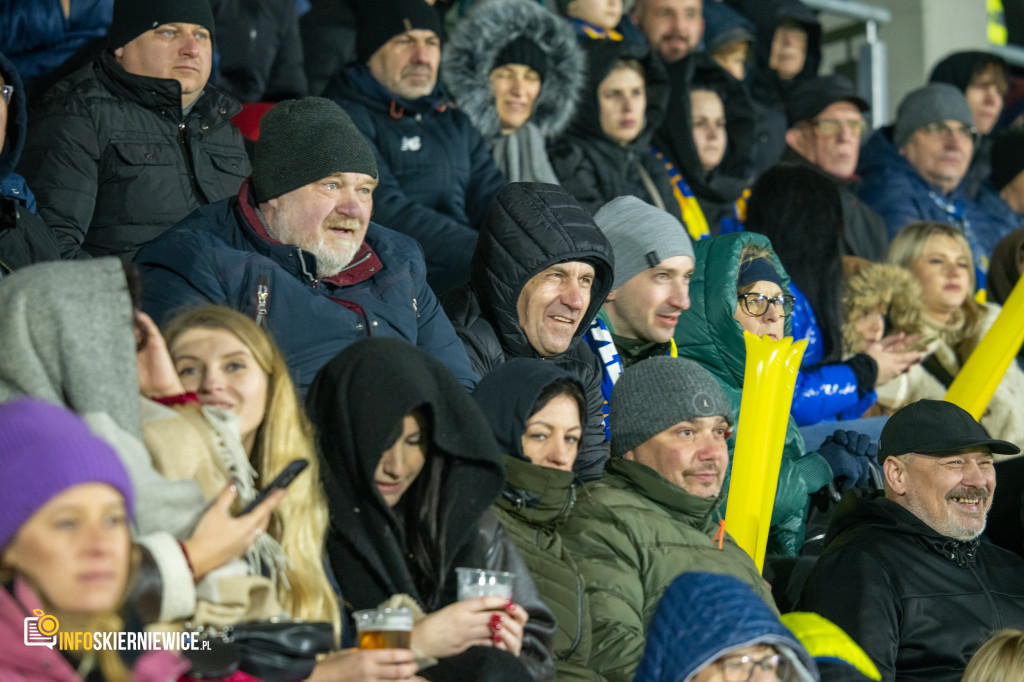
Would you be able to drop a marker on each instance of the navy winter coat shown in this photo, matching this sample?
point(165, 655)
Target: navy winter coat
point(437, 178)
point(216, 256)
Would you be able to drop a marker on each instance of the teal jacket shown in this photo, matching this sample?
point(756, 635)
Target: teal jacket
point(708, 334)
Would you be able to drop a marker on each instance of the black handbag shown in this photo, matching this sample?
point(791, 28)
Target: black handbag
point(273, 651)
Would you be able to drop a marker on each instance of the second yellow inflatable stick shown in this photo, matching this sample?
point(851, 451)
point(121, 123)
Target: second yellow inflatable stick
point(977, 380)
point(768, 382)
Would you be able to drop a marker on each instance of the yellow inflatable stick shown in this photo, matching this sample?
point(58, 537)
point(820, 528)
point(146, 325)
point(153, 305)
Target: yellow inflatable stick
point(977, 380)
point(768, 382)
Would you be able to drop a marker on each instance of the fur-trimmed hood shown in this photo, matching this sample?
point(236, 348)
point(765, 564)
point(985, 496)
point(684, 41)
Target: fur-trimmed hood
point(469, 59)
point(889, 287)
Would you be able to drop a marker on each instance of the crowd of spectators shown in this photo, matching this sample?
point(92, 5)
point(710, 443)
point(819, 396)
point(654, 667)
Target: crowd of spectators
point(484, 273)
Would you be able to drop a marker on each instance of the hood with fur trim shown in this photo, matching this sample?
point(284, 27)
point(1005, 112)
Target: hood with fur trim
point(469, 59)
point(889, 287)
point(17, 119)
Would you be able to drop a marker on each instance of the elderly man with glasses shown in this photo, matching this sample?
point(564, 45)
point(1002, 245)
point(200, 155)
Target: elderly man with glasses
point(913, 170)
point(826, 125)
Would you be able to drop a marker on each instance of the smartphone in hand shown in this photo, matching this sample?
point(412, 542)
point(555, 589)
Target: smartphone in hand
point(282, 480)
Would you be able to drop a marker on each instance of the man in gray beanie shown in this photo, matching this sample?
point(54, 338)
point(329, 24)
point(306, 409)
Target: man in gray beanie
point(912, 171)
point(654, 514)
point(296, 251)
point(653, 264)
point(122, 149)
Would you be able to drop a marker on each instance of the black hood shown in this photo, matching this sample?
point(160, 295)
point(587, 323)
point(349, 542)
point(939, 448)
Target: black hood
point(507, 396)
point(531, 226)
point(17, 119)
point(767, 16)
point(675, 136)
point(958, 68)
point(602, 55)
point(356, 402)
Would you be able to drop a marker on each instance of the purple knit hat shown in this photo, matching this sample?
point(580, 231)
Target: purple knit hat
point(44, 450)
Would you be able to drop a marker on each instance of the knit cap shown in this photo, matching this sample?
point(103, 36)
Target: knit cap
point(1007, 157)
point(660, 392)
point(44, 450)
point(378, 21)
point(304, 140)
point(933, 103)
point(132, 18)
point(523, 50)
point(641, 236)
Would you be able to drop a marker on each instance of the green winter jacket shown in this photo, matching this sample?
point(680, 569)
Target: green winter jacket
point(708, 334)
point(631, 533)
point(536, 501)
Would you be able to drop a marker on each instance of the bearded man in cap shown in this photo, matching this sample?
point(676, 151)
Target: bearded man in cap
point(905, 573)
point(131, 143)
point(296, 251)
point(437, 176)
point(653, 515)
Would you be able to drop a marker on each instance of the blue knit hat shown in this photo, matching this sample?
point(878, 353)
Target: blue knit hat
point(44, 450)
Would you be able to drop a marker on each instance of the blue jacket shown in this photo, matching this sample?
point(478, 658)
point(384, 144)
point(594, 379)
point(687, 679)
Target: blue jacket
point(823, 392)
point(215, 255)
point(894, 188)
point(702, 617)
point(437, 178)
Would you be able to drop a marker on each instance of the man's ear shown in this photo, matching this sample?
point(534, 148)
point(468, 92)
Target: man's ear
point(794, 138)
point(629, 455)
point(610, 296)
point(119, 53)
point(895, 475)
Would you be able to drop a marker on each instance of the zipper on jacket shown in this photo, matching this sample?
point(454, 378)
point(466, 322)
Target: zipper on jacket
point(579, 619)
point(185, 151)
point(262, 294)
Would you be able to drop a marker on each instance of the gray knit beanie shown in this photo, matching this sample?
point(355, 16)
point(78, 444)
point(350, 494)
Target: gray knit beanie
point(304, 140)
point(641, 236)
point(659, 392)
point(933, 103)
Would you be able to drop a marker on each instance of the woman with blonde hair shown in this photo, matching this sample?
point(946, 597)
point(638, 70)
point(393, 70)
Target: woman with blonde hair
point(1000, 659)
point(953, 323)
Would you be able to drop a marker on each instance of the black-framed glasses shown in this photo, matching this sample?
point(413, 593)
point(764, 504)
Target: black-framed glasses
point(6, 91)
point(829, 127)
point(962, 131)
point(742, 668)
point(757, 304)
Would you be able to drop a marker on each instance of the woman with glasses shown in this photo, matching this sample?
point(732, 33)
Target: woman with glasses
point(713, 628)
point(738, 284)
point(800, 210)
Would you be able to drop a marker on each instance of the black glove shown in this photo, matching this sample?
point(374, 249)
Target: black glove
point(852, 457)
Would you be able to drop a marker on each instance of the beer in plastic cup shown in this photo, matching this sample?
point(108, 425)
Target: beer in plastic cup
point(384, 628)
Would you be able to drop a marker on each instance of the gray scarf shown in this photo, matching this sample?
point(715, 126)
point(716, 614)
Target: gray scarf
point(522, 156)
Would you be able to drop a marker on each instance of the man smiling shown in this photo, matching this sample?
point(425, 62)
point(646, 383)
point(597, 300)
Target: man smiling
point(905, 574)
point(296, 250)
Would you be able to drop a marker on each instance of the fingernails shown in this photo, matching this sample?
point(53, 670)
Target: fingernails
point(496, 621)
point(510, 605)
point(497, 639)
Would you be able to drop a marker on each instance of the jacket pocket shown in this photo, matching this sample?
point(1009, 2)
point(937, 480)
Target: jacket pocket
point(141, 183)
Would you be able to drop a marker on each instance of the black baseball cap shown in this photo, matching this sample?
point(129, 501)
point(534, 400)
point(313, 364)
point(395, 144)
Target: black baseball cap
point(811, 97)
point(935, 427)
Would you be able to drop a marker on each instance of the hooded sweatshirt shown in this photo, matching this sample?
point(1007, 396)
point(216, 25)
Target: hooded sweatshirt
point(595, 168)
point(530, 227)
point(535, 502)
point(24, 237)
point(708, 334)
point(470, 57)
point(704, 616)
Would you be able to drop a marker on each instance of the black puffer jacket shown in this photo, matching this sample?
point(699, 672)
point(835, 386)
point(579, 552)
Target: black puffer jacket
point(113, 162)
point(436, 176)
point(24, 237)
point(260, 50)
point(530, 227)
point(715, 191)
point(919, 603)
point(593, 167)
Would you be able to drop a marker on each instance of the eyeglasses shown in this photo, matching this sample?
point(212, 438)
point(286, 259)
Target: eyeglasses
point(5, 92)
point(942, 128)
point(757, 304)
point(829, 127)
point(742, 668)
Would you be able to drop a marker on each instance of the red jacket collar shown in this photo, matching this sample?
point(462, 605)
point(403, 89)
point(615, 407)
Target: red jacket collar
point(365, 264)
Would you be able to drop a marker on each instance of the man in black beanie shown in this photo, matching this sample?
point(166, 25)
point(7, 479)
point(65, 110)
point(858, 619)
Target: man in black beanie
point(128, 145)
point(437, 176)
point(296, 251)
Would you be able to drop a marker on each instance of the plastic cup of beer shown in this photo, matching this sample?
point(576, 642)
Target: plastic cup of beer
point(478, 582)
point(384, 628)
